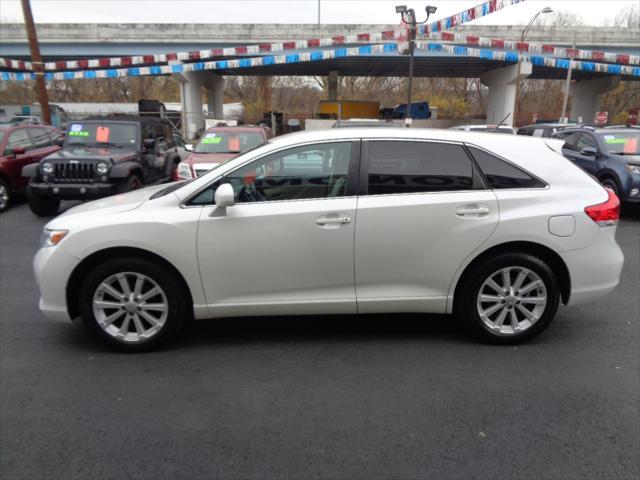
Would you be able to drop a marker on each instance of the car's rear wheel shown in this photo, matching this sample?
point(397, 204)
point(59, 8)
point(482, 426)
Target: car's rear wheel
point(131, 183)
point(132, 304)
point(42, 205)
point(509, 299)
point(5, 195)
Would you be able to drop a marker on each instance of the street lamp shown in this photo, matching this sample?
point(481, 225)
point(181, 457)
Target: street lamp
point(522, 38)
point(409, 17)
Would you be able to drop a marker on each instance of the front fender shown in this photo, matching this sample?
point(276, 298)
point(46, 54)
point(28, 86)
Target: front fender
point(124, 169)
point(30, 170)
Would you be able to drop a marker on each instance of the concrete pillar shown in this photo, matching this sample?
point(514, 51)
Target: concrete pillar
point(333, 85)
point(587, 97)
point(214, 85)
point(502, 91)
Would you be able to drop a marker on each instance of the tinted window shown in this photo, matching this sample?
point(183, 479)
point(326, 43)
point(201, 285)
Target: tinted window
point(586, 140)
point(313, 171)
point(18, 138)
point(86, 133)
point(39, 137)
point(570, 140)
point(411, 167)
point(501, 174)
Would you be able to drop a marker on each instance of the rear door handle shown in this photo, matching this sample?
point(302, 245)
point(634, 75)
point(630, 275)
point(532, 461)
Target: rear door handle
point(473, 211)
point(333, 220)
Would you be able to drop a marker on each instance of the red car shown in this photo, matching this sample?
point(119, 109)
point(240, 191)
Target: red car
point(22, 145)
point(217, 145)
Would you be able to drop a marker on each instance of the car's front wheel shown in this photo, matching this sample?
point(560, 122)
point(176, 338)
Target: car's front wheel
point(133, 304)
point(508, 299)
point(131, 183)
point(5, 195)
point(42, 205)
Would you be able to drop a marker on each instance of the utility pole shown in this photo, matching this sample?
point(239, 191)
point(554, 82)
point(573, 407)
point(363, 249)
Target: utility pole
point(567, 88)
point(36, 60)
point(318, 12)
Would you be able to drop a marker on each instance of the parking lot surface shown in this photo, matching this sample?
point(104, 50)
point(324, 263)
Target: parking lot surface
point(339, 397)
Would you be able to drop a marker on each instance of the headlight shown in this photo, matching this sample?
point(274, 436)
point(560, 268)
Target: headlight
point(635, 169)
point(47, 168)
point(51, 238)
point(102, 168)
point(184, 171)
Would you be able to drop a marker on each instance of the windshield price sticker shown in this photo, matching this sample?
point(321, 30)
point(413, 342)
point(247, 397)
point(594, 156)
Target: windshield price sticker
point(208, 139)
point(78, 134)
point(612, 139)
point(210, 135)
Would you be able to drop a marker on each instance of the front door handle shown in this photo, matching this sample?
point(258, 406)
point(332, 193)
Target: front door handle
point(333, 220)
point(473, 211)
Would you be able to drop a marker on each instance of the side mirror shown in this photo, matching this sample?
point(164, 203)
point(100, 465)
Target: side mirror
point(149, 143)
point(589, 151)
point(224, 196)
point(188, 147)
point(18, 151)
point(59, 141)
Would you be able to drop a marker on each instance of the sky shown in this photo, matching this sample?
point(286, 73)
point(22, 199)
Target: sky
point(593, 12)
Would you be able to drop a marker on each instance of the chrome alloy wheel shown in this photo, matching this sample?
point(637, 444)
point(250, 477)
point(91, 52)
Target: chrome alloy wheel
point(4, 196)
point(511, 300)
point(130, 307)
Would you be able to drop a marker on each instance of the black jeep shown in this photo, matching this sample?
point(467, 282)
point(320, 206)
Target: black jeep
point(100, 157)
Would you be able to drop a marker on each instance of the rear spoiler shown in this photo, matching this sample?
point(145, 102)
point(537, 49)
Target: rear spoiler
point(554, 144)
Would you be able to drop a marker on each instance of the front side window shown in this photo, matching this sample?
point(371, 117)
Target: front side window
point(18, 138)
point(570, 140)
point(501, 174)
point(586, 141)
point(39, 137)
point(308, 172)
point(415, 167)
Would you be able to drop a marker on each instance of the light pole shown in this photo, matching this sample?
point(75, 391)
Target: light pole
point(522, 37)
point(409, 17)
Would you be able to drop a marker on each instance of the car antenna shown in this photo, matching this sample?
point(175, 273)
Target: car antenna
point(503, 120)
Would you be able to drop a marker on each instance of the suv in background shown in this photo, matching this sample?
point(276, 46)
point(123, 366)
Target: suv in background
point(22, 145)
point(610, 154)
point(217, 145)
point(100, 157)
point(544, 129)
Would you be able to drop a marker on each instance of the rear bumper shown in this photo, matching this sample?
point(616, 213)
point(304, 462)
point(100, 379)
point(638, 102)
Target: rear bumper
point(73, 191)
point(594, 270)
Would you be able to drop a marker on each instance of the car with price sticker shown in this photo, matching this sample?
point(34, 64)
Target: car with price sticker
point(217, 145)
point(611, 154)
point(101, 157)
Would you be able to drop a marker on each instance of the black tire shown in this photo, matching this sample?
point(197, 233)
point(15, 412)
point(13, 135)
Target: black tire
point(178, 309)
point(132, 182)
point(613, 185)
point(42, 205)
point(466, 306)
point(5, 195)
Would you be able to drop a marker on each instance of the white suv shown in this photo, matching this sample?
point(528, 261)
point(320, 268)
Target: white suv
point(496, 229)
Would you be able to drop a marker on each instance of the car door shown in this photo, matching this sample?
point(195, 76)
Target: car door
point(286, 246)
point(423, 209)
point(589, 162)
point(20, 138)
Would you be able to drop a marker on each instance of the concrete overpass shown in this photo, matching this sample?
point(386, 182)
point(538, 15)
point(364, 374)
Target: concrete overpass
point(77, 41)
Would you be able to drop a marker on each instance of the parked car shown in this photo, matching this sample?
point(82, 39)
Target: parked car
point(217, 145)
point(496, 229)
point(543, 129)
point(610, 154)
point(363, 122)
point(485, 128)
point(22, 145)
point(100, 157)
point(181, 146)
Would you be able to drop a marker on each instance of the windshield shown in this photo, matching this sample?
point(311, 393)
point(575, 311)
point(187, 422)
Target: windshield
point(228, 142)
point(623, 143)
point(96, 133)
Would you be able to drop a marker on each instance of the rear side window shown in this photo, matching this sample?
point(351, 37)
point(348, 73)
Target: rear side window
point(501, 174)
point(415, 167)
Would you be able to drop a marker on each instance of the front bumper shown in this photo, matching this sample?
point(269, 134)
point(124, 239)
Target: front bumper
point(73, 191)
point(52, 269)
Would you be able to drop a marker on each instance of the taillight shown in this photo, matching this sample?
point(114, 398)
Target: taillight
point(607, 213)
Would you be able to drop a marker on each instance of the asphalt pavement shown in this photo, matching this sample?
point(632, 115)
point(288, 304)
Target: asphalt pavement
point(370, 397)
